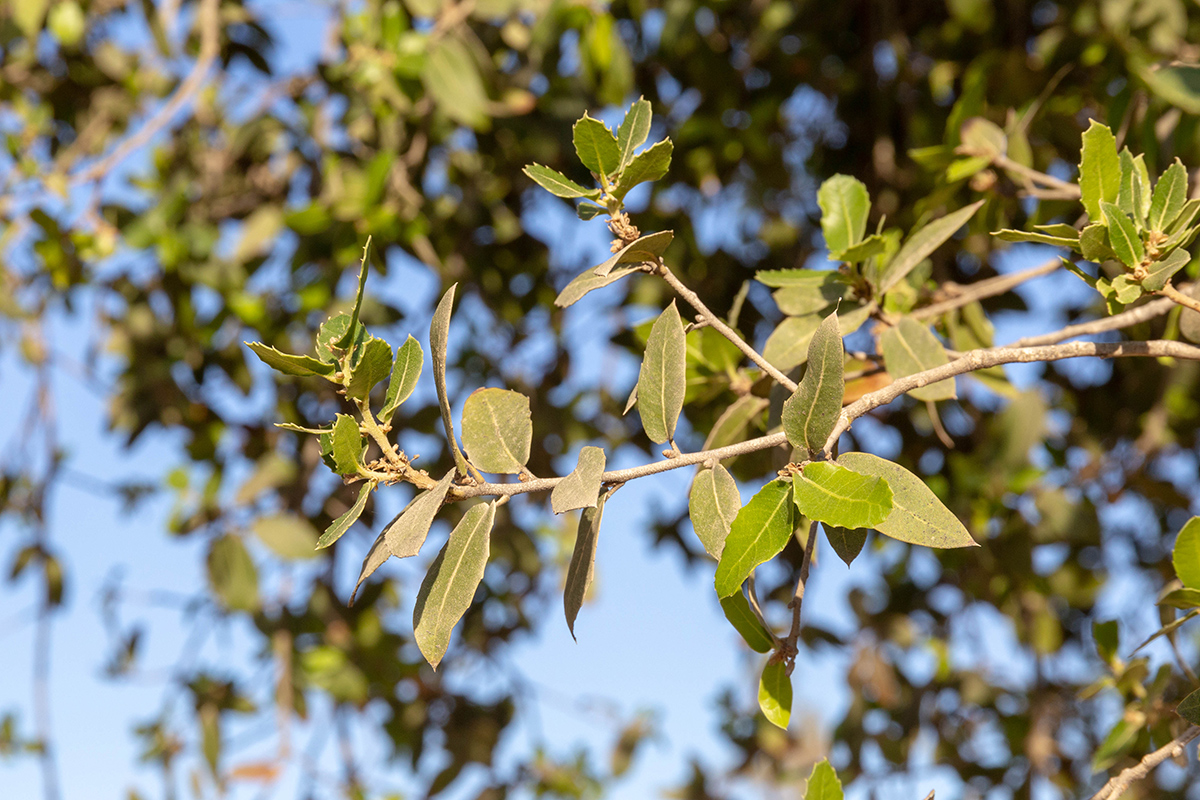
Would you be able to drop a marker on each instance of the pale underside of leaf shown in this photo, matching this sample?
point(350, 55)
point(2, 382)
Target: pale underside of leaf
point(580, 488)
point(497, 430)
point(662, 379)
point(439, 333)
point(713, 504)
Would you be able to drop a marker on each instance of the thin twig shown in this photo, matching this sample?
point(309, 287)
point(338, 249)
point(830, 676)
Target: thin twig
point(797, 600)
point(1067, 190)
point(1117, 786)
point(1179, 297)
point(986, 288)
point(209, 22)
point(729, 333)
point(1125, 319)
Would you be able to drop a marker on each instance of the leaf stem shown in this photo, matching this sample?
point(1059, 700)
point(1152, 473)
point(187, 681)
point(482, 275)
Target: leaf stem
point(790, 647)
point(1179, 297)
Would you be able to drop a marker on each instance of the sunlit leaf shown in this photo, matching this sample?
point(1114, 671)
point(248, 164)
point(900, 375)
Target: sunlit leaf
point(287, 535)
point(737, 610)
point(452, 78)
point(1159, 272)
point(811, 413)
point(908, 348)
point(713, 504)
point(1122, 235)
point(1170, 193)
point(374, 365)
point(347, 338)
point(662, 379)
point(647, 248)
point(596, 146)
point(290, 364)
point(581, 487)
point(558, 184)
point(633, 130)
point(439, 332)
point(1099, 170)
point(1186, 554)
point(775, 694)
point(921, 244)
point(834, 495)
point(586, 281)
point(823, 783)
point(845, 204)
point(406, 370)
point(497, 430)
point(347, 445)
point(787, 346)
point(759, 531)
point(651, 164)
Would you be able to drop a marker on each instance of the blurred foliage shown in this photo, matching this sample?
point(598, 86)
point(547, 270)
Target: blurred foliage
point(412, 125)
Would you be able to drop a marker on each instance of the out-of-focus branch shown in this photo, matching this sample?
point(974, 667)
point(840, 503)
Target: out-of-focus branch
point(1117, 786)
point(986, 288)
point(1179, 297)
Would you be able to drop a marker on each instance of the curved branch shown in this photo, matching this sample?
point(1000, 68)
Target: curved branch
point(1125, 319)
point(1117, 786)
point(1179, 297)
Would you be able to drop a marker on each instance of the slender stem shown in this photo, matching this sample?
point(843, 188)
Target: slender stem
point(1125, 319)
point(1117, 786)
point(729, 333)
point(986, 288)
point(797, 601)
point(1179, 297)
point(1033, 176)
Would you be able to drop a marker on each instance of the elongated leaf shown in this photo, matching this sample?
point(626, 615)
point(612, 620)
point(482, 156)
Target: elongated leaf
point(372, 367)
point(846, 542)
point(1128, 197)
point(1185, 219)
point(633, 130)
point(845, 204)
point(1181, 598)
point(290, 364)
point(759, 531)
point(1116, 744)
point(450, 584)
point(586, 211)
point(799, 278)
point(1178, 84)
point(1123, 236)
point(581, 488)
point(811, 413)
point(909, 348)
point(713, 504)
point(439, 332)
point(1159, 272)
point(787, 346)
point(1189, 708)
point(731, 425)
point(775, 694)
point(406, 370)
point(823, 783)
point(288, 535)
point(662, 380)
point(452, 78)
point(232, 574)
point(838, 496)
point(347, 338)
point(345, 521)
point(1170, 627)
point(497, 430)
point(1186, 554)
point(1169, 196)
point(1099, 170)
point(1008, 235)
point(405, 534)
point(873, 245)
point(917, 515)
point(558, 184)
point(586, 281)
point(647, 248)
point(347, 445)
point(596, 146)
point(920, 244)
point(745, 622)
point(583, 562)
point(796, 301)
point(649, 165)
point(289, 426)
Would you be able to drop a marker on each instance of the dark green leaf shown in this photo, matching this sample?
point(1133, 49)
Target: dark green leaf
point(633, 130)
point(846, 542)
point(649, 165)
point(1099, 170)
point(586, 211)
point(713, 504)
point(290, 364)
point(845, 204)
point(647, 248)
point(450, 584)
point(1107, 637)
point(347, 445)
point(343, 523)
point(583, 562)
point(348, 336)
point(558, 184)
point(775, 694)
point(232, 575)
point(1169, 196)
point(662, 379)
point(1122, 235)
point(823, 783)
point(582, 486)
point(908, 348)
point(597, 147)
point(834, 495)
point(406, 370)
point(1189, 708)
point(811, 413)
point(372, 367)
point(1008, 235)
point(921, 243)
point(917, 516)
point(439, 332)
point(759, 531)
point(1186, 554)
point(745, 622)
point(497, 430)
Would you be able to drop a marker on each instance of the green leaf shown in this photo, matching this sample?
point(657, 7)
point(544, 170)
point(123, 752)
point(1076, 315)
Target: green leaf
point(1159, 272)
point(734, 420)
point(983, 138)
point(787, 346)
point(812, 297)
point(909, 348)
point(649, 165)
point(232, 575)
point(497, 430)
point(596, 146)
point(846, 542)
point(1169, 196)
point(450, 584)
point(28, 16)
point(918, 516)
point(287, 535)
point(374, 366)
point(343, 523)
point(1116, 744)
point(1107, 637)
point(586, 211)
point(347, 445)
point(290, 364)
point(634, 130)
point(647, 248)
point(290, 426)
point(662, 380)
point(1170, 627)
point(1094, 244)
point(1009, 235)
point(405, 534)
point(838, 496)
point(582, 486)
point(1189, 708)
point(406, 370)
point(1186, 554)
point(1099, 170)
point(798, 278)
point(873, 245)
point(1123, 236)
point(452, 78)
point(1183, 222)
point(745, 622)
point(845, 204)
point(583, 562)
point(348, 337)
point(713, 504)
point(586, 281)
point(558, 184)
point(1178, 84)
point(439, 332)
point(811, 413)
point(759, 531)
point(921, 243)
point(1181, 598)
point(334, 330)
point(1129, 196)
point(775, 694)
point(823, 783)
point(1126, 289)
